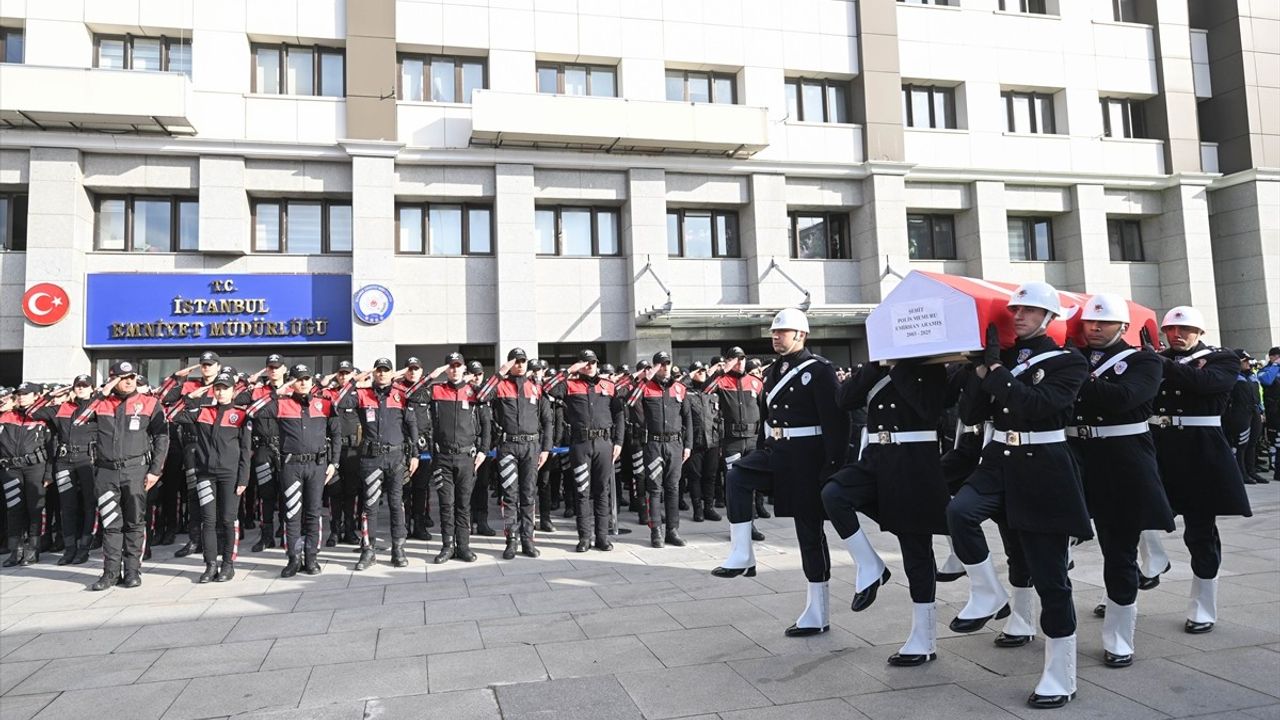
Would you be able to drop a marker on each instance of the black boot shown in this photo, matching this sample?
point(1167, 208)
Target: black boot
point(482, 527)
point(761, 511)
point(544, 524)
point(19, 552)
point(673, 537)
point(684, 504)
point(110, 578)
point(446, 552)
point(32, 555)
point(463, 552)
point(697, 512)
point(655, 536)
point(169, 537)
point(226, 572)
point(398, 558)
point(367, 558)
point(82, 550)
point(210, 572)
point(131, 579)
point(584, 544)
point(310, 565)
point(420, 531)
point(756, 535)
point(266, 538)
point(602, 543)
point(335, 531)
point(709, 512)
point(68, 554)
point(188, 548)
point(291, 567)
point(528, 549)
point(510, 552)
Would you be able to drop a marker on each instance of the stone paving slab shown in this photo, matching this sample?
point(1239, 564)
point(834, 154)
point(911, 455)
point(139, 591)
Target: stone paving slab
point(633, 633)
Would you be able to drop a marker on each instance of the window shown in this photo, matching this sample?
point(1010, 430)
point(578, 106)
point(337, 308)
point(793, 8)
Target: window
point(147, 223)
point(818, 100)
point(444, 229)
point(1125, 239)
point(926, 106)
point(561, 79)
point(1028, 112)
point(299, 70)
point(1030, 238)
point(577, 231)
point(1123, 118)
point(702, 87)
point(819, 235)
point(702, 233)
point(130, 52)
point(11, 45)
point(13, 222)
point(441, 78)
point(1036, 7)
point(1128, 11)
point(302, 227)
point(931, 237)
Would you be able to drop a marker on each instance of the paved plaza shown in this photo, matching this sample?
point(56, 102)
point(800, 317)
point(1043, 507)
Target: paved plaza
point(634, 633)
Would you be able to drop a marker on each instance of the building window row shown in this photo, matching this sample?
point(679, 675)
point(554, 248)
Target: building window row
point(301, 227)
point(703, 234)
point(132, 52)
point(818, 101)
point(576, 79)
point(441, 78)
point(12, 45)
point(311, 70)
point(928, 106)
point(444, 229)
point(13, 221)
point(147, 223)
point(577, 231)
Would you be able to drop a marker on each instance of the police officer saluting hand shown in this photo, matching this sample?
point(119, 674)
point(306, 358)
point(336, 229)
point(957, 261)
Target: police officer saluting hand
point(1118, 462)
point(457, 437)
point(344, 494)
point(222, 446)
point(132, 441)
point(24, 468)
point(1200, 474)
point(804, 440)
point(266, 447)
point(418, 513)
point(666, 423)
point(73, 467)
point(1028, 474)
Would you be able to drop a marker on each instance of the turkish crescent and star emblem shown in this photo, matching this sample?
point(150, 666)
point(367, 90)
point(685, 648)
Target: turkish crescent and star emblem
point(45, 304)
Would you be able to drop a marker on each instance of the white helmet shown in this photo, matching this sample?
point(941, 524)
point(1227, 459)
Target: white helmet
point(1185, 316)
point(1106, 307)
point(790, 319)
point(1037, 294)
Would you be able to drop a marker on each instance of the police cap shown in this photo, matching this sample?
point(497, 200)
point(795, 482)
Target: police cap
point(454, 358)
point(346, 366)
point(209, 357)
point(588, 356)
point(474, 367)
point(84, 380)
point(123, 368)
point(28, 387)
point(225, 380)
point(696, 365)
point(383, 364)
point(413, 362)
point(662, 356)
point(643, 365)
point(607, 369)
point(300, 371)
point(735, 352)
point(517, 354)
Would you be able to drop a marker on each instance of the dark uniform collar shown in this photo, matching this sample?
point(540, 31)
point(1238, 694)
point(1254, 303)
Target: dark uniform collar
point(798, 356)
point(1097, 355)
point(1181, 353)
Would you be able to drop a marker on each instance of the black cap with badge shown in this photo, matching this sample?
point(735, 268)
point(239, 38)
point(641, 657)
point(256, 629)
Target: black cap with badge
point(454, 358)
point(662, 357)
point(607, 369)
point(643, 365)
point(346, 366)
point(225, 380)
point(517, 354)
point(209, 357)
point(413, 362)
point(29, 387)
point(736, 352)
point(300, 371)
point(696, 365)
point(474, 367)
point(123, 368)
point(274, 361)
point(588, 356)
point(5, 392)
point(383, 364)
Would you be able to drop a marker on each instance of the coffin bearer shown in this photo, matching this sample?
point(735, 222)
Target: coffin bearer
point(1200, 474)
point(1118, 462)
point(803, 441)
point(1027, 474)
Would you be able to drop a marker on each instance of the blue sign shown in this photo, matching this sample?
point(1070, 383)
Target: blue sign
point(373, 304)
point(133, 309)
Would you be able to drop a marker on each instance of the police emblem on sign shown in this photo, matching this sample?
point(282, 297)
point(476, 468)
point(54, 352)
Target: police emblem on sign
point(372, 304)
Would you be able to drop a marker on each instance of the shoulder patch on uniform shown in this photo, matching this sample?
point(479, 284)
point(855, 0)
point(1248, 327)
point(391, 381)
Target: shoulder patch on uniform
point(1120, 367)
point(805, 378)
point(1038, 376)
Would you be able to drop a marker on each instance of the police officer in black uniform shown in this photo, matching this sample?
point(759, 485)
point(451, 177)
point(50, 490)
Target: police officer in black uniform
point(266, 448)
point(596, 433)
point(179, 468)
point(704, 460)
point(73, 466)
point(1027, 472)
point(1111, 438)
point(25, 469)
point(667, 426)
point(896, 481)
point(418, 513)
point(343, 495)
point(523, 423)
point(803, 441)
point(548, 472)
point(457, 438)
point(741, 396)
point(1200, 474)
point(485, 473)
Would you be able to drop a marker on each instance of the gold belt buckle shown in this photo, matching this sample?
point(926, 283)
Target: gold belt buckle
point(1013, 439)
point(885, 437)
point(776, 432)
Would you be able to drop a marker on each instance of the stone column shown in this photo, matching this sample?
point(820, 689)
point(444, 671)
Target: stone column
point(766, 237)
point(1082, 240)
point(879, 232)
point(224, 206)
point(982, 232)
point(514, 260)
point(1184, 251)
point(373, 241)
point(644, 235)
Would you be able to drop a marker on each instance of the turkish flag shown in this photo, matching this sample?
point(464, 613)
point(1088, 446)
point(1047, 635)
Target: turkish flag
point(45, 304)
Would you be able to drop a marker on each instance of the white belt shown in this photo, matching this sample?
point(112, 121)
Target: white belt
point(967, 429)
point(786, 433)
point(1014, 438)
point(1086, 432)
point(1167, 421)
point(884, 437)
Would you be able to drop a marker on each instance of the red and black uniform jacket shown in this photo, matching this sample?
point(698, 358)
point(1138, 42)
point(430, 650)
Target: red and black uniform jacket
point(519, 409)
point(663, 407)
point(741, 397)
point(221, 440)
point(456, 424)
point(24, 437)
point(265, 431)
point(418, 395)
point(72, 439)
point(386, 423)
point(307, 424)
point(130, 429)
point(348, 422)
point(591, 407)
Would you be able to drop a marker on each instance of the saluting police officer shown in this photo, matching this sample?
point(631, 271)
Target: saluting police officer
point(708, 427)
point(667, 426)
point(418, 514)
point(266, 448)
point(73, 467)
point(522, 419)
point(741, 397)
point(1027, 473)
point(179, 469)
point(896, 481)
point(1118, 462)
point(25, 469)
point(803, 441)
point(1200, 474)
point(344, 494)
point(458, 436)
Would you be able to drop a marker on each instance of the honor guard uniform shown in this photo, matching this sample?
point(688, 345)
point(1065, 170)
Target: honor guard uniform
point(803, 441)
point(130, 449)
point(179, 468)
point(73, 468)
point(596, 433)
point(222, 446)
point(1200, 474)
point(389, 433)
point(1109, 435)
point(309, 432)
point(960, 457)
point(666, 426)
point(344, 495)
point(1243, 405)
point(896, 480)
point(418, 393)
point(1027, 473)
point(522, 421)
point(266, 450)
point(457, 438)
point(24, 467)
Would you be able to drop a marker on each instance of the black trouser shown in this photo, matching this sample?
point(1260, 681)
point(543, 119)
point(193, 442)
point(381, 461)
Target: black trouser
point(480, 491)
point(217, 507)
point(51, 516)
point(266, 477)
point(24, 497)
point(591, 472)
point(1119, 562)
point(854, 490)
point(382, 474)
point(346, 492)
point(564, 480)
point(1200, 535)
point(420, 496)
point(453, 477)
point(544, 486)
point(122, 502)
point(73, 476)
point(518, 474)
point(633, 462)
point(701, 469)
point(1045, 555)
point(740, 485)
point(303, 484)
point(1019, 572)
point(1242, 446)
point(662, 464)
